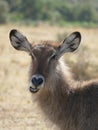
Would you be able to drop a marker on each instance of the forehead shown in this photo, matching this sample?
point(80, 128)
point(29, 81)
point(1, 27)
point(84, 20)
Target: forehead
point(44, 49)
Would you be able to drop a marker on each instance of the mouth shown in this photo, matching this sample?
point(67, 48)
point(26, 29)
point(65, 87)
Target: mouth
point(35, 89)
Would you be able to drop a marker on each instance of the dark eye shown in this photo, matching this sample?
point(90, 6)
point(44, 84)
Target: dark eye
point(32, 55)
point(52, 56)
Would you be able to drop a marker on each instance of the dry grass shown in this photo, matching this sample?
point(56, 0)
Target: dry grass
point(17, 111)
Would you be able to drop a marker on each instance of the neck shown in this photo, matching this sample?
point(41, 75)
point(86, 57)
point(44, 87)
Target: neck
point(61, 78)
point(53, 98)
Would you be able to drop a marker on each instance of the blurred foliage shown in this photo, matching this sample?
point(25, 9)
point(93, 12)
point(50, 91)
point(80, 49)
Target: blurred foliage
point(3, 11)
point(49, 10)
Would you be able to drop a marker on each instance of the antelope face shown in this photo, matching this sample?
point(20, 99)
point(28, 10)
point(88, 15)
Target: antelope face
point(44, 56)
point(43, 61)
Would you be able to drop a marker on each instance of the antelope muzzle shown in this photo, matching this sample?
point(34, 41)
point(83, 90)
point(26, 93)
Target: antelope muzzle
point(36, 83)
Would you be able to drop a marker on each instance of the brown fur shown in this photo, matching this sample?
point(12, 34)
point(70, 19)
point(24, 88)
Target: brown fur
point(69, 104)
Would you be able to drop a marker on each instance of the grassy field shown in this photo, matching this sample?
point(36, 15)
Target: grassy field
point(17, 110)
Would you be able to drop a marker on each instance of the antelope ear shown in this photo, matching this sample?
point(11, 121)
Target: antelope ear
point(70, 44)
point(19, 41)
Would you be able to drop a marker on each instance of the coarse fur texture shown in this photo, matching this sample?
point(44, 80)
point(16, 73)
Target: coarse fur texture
point(70, 104)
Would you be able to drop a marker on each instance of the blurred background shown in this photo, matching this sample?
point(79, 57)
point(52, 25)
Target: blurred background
point(42, 20)
point(59, 12)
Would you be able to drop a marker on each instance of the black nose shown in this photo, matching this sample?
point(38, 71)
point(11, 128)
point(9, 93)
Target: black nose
point(37, 80)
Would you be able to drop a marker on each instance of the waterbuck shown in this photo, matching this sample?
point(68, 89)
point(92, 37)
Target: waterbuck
point(68, 103)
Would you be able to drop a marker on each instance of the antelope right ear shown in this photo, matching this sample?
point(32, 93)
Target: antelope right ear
point(19, 41)
point(70, 44)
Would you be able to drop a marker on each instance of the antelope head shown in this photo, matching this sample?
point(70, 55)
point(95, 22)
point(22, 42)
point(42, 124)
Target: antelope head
point(45, 57)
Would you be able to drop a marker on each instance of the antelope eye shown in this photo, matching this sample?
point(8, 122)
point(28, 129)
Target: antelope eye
point(52, 56)
point(32, 55)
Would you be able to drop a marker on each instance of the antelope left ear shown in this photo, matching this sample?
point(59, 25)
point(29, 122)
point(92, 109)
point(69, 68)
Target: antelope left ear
point(70, 44)
point(19, 41)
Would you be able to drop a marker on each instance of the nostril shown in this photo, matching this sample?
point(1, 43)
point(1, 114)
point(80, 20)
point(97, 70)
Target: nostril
point(40, 80)
point(37, 80)
point(34, 80)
